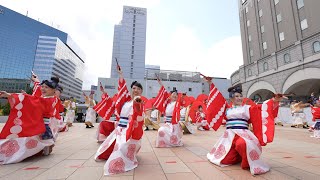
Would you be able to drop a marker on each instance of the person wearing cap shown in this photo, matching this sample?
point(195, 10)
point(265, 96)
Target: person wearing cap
point(27, 131)
point(238, 144)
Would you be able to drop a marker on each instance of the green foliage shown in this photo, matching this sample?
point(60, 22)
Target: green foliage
point(6, 109)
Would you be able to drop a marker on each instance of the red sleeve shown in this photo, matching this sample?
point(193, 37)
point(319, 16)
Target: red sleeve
point(37, 89)
point(161, 100)
point(26, 115)
point(122, 97)
point(216, 108)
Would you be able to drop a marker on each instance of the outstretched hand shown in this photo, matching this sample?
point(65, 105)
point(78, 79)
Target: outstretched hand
point(279, 97)
point(4, 94)
point(34, 77)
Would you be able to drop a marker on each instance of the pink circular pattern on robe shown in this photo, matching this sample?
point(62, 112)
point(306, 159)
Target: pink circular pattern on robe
point(221, 151)
point(31, 144)
point(161, 134)
point(173, 139)
point(9, 148)
point(162, 144)
point(254, 155)
point(258, 170)
point(226, 134)
point(246, 135)
point(17, 121)
point(259, 146)
point(131, 151)
point(116, 166)
point(212, 151)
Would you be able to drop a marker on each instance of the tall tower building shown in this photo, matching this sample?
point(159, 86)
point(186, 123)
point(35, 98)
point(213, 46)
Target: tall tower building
point(129, 43)
point(281, 48)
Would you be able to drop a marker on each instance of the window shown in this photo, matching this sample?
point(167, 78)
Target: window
point(281, 36)
point(134, 21)
point(134, 29)
point(260, 13)
point(276, 2)
point(262, 29)
point(174, 88)
point(300, 4)
point(251, 52)
point(132, 56)
point(249, 72)
point(134, 11)
point(132, 48)
point(134, 25)
point(133, 34)
point(131, 64)
point(286, 58)
point(316, 47)
point(131, 70)
point(190, 89)
point(247, 9)
point(134, 16)
point(132, 52)
point(249, 38)
point(132, 38)
point(248, 23)
point(279, 19)
point(265, 45)
point(304, 24)
point(131, 74)
point(132, 43)
point(265, 66)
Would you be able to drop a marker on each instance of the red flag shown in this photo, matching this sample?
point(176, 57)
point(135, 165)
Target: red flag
point(216, 108)
point(106, 107)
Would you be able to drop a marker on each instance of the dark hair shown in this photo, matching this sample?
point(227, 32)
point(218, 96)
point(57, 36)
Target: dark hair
point(174, 91)
point(59, 88)
point(136, 83)
point(52, 83)
point(233, 90)
point(200, 106)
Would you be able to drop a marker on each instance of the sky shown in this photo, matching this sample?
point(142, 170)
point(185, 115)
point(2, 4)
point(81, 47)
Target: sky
point(188, 35)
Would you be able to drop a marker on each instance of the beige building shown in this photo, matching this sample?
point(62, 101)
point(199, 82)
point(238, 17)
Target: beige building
point(281, 48)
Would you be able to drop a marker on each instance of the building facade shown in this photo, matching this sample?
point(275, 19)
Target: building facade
point(182, 81)
point(26, 45)
point(129, 43)
point(281, 48)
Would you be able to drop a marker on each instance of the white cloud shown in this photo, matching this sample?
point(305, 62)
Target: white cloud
point(184, 51)
point(83, 21)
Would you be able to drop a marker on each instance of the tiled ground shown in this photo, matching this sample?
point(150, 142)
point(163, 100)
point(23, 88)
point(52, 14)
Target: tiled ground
point(292, 155)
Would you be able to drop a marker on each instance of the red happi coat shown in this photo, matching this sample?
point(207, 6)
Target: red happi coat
point(315, 113)
point(134, 128)
point(162, 100)
point(261, 116)
point(27, 113)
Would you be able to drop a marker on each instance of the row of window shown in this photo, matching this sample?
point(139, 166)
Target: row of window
point(287, 58)
point(303, 24)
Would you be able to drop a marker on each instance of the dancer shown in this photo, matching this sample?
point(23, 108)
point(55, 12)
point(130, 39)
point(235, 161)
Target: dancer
point(122, 145)
point(27, 131)
point(238, 144)
point(299, 117)
point(60, 109)
point(152, 119)
point(184, 122)
point(90, 114)
point(170, 134)
point(105, 108)
point(70, 105)
point(201, 122)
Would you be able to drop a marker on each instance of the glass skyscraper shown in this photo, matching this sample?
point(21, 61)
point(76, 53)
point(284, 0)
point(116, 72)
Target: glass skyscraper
point(26, 45)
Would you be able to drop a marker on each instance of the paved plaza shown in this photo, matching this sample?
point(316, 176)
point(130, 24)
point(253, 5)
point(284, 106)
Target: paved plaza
point(292, 155)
